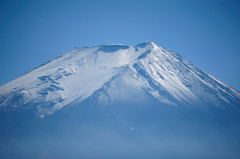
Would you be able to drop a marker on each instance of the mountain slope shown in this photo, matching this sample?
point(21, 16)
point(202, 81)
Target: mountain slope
point(113, 73)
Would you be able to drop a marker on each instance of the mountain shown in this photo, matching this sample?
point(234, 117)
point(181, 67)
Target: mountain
point(118, 101)
point(113, 73)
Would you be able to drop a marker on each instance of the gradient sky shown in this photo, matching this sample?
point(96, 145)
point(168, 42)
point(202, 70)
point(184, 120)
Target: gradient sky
point(204, 32)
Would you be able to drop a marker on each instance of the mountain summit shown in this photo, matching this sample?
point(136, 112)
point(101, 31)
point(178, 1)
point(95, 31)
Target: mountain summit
point(116, 73)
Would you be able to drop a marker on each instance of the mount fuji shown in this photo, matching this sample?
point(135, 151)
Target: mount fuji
point(119, 101)
point(114, 73)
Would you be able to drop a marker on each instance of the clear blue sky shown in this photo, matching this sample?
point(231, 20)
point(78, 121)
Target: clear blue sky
point(207, 33)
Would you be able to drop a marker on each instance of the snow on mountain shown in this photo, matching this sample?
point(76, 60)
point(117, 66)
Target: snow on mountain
point(110, 73)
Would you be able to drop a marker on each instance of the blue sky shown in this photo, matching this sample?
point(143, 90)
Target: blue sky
point(204, 32)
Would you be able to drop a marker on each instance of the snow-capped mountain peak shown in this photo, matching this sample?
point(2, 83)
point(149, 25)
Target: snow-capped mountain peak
point(116, 72)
